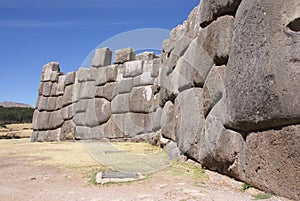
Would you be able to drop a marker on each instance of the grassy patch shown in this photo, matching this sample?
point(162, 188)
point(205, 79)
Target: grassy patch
point(245, 186)
point(187, 170)
point(262, 196)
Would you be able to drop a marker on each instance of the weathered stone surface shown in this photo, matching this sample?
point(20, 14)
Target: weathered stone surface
point(155, 66)
point(172, 151)
point(189, 118)
point(40, 90)
point(54, 76)
point(70, 78)
point(55, 120)
point(141, 99)
point(49, 135)
point(88, 117)
point(133, 68)
point(101, 78)
point(81, 105)
point(86, 133)
point(179, 49)
point(120, 104)
point(212, 9)
point(110, 90)
point(265, 92)
point(68, 112)
point(51, 104)
point(47, 86)
point(155, 118)
point(114, 128)
point(192, 68)
point(216, 39)
point(42, 104)
point(68, 130)
point(120, 72)
point(192, 25)
point(168, 123)
point(272, 161)
point(134, 124)
point(68, 95)
point(111, 73)
point(87, 90)
point(102, 57)
point(125, 85)
point(53, 89)
point(124, 55)
point(40, 120)
point(102, 109)
point(214, 88)
point(86, 74)
point(145, 56)
point(143, 79)
point(48, 69)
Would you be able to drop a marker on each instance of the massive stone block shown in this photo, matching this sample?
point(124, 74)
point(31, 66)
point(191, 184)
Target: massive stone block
point(125, 85)
point(114, 128)
point(141, 99)
point(214, 88)
point(120, 104)
point(124, 55)
point(135, 124)
point(192, 68)
point(133, 68)
point(68, 95)
point(87, 90)
point(263, 73)
point(216, 39)
point(87, 133)
point(168, 124)
point(272, 161)
point(102, 57)
point(102, 109)
point(86, 74)
point(48, 69)
point(68, 130)
point(145, 56)
point(212, 9)
point(189, 118)
point(70, 78)
point(218, 148)
point(86, 116)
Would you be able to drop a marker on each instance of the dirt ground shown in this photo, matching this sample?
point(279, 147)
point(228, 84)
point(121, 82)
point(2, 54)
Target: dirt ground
point(64, 171)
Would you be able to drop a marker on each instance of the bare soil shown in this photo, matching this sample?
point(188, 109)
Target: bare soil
point(62, 171)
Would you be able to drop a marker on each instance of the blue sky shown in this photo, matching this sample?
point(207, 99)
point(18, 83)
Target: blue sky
point(34, 32)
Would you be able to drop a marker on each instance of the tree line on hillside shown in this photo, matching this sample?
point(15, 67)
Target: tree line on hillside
point(15, 115)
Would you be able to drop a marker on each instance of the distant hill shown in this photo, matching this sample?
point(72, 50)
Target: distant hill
point(7, 104)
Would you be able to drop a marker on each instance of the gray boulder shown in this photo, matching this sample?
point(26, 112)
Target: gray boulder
point(102, 57)
point(47, 86)
point(68, 95)
point(265, 91)
point(134, 124)
point(87, 90)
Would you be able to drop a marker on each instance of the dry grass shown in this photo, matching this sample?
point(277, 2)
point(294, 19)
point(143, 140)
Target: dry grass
point(17, 130)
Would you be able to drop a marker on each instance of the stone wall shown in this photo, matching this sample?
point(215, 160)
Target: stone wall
point(225, 91)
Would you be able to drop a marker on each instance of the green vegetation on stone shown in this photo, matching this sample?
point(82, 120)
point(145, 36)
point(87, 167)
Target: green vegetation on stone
point(245, 186)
